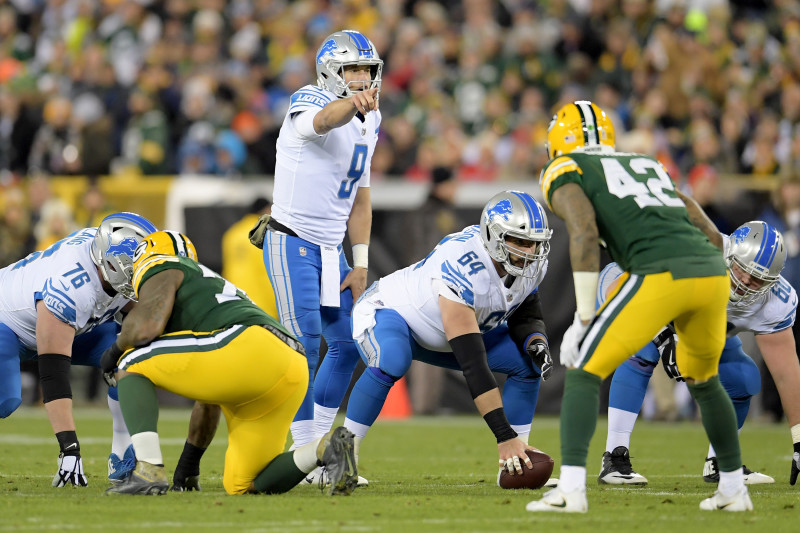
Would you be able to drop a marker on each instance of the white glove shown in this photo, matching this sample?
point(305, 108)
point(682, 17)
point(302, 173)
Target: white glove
point(70, 472)
point(569, 344)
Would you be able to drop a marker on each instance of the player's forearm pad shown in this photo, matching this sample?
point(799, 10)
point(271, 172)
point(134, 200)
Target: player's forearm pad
point(54, 376)
point(469, 351)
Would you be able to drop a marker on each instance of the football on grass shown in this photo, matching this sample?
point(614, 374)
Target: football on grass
point(531, 478)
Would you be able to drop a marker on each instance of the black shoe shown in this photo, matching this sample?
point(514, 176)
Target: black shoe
point(617, 469)
point(711, 474)
point(711, 470)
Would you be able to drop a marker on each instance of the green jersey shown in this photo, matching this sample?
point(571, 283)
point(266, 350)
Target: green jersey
point(644, 224)
point(205, 301)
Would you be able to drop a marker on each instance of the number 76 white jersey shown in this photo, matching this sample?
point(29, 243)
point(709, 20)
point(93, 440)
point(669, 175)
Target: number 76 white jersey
point(460, 269)
point(65, 278)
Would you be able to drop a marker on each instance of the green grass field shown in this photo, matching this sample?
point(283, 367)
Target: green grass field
point(426, 474)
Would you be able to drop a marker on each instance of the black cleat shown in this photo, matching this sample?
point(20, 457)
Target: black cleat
point(617, 469)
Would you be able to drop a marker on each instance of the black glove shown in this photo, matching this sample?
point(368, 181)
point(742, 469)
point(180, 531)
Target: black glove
point(795, 464)
point(108, 363)
point(540, 354)
point(665, 343)
point(256, 234)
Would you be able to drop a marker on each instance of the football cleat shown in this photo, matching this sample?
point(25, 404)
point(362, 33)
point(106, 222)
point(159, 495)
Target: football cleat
point(711, 474)
point(556, 501)
point(738, 502)
point(148, 479)
point(314, 477)
point(551, 483)
point(119, 469)
point(336, 453)
point(617, 469)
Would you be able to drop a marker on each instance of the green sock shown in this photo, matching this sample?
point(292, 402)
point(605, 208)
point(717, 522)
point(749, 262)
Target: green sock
point(719, 419)
point(139, 403)
point(578, 415)
point(280, 476)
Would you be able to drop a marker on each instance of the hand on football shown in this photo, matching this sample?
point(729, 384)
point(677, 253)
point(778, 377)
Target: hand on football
point(510, 453)
point(570, 344)
point(70, 472)
point(540, 354)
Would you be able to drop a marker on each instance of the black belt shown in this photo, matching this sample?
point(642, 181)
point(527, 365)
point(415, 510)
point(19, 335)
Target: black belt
point(288, 340)
point(277, 226)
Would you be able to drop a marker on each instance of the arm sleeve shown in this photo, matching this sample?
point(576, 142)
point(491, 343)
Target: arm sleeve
point(527, 320)
point(303, 122)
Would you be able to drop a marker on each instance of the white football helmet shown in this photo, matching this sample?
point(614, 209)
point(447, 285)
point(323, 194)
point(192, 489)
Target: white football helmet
point(114, 246)
point(516, 214)
point(757, 249)
point(344, 48)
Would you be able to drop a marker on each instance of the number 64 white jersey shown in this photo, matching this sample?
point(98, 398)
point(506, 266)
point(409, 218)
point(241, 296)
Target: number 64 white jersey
point(66, 279)
point(460, 269)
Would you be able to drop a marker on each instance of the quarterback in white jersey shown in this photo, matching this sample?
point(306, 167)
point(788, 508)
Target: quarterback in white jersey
point(472, 304)
point(58, 306)
point(321, 190)
point(761, 302)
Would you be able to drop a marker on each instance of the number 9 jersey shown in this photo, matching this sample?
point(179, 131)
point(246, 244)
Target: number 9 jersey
point(459, 269)
point(644, 224)
point(66, 279)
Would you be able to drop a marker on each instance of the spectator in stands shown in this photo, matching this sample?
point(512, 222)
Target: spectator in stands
point(16, 239)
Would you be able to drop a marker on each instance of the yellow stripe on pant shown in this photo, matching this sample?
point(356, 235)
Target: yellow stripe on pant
point(641, 305)
point(257, 380)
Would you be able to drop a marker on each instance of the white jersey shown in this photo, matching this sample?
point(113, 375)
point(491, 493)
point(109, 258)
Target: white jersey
point(66, 279)
point(773, 312)
point(460, 269)
point(316, 179)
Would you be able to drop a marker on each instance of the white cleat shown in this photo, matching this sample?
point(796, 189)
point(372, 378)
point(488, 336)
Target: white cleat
point(555, 501)
point(738, 502)
point(756, 478)
point(313, 477)
point(552, 483)
point(616, 469)
point(711, 474)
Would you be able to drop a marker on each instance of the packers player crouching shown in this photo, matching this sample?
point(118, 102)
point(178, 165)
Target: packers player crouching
point(195, 334)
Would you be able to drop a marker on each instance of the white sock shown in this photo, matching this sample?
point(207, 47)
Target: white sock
point(302, 432)
point(572, 478)
point(147, 447)
point(731, 482)
point(323, 419)
point(120, 439)
point(620, 426)
point(523, 432)
point(359, 430)
point(305, 457)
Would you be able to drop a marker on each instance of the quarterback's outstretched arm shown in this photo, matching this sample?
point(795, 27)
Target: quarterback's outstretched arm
point(340, 112)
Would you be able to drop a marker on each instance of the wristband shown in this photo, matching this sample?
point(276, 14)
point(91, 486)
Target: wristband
point(585, 289)
point(360, 255)
point(498, 423)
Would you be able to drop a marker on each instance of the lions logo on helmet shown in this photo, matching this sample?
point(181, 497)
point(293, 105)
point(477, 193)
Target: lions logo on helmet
point(516, 214)
point(580, 125)
point(159, 247)
point(756, 249)
point(346, 48)
point(114, 246)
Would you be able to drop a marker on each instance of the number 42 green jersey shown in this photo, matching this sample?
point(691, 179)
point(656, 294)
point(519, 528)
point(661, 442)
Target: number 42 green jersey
point(644, 224)
point(205, 301)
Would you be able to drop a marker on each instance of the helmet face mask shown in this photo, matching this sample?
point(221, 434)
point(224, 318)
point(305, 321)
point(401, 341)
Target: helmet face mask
point(114, 247)
point(343, 49)
point(516, 234)
point(755, 258)
point(580, 125)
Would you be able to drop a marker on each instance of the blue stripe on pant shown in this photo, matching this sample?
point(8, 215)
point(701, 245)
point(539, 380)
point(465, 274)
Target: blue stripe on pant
point(389, 349)
point(294, 267)
point(86, 350)
point(737, 372)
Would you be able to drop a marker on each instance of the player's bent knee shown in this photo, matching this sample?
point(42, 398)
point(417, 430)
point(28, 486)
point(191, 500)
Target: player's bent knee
point(741, 379)
point(8, 406)
point(381, 376)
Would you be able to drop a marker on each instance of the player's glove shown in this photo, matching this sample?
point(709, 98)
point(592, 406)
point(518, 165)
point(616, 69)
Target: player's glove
point(182, 483)
point(70, 471)
point(259, 230)
point(540, 354)
point(108, 363)
point(795, 464)
point(665, 343)
point(569, 353)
